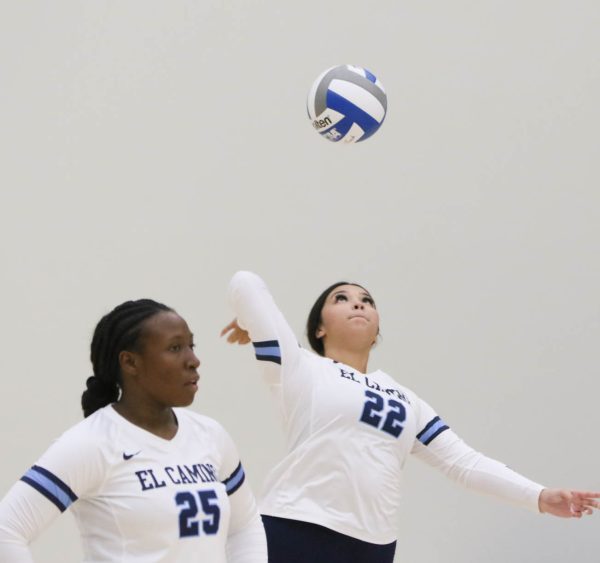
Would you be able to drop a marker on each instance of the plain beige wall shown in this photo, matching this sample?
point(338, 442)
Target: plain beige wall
point(153, 148)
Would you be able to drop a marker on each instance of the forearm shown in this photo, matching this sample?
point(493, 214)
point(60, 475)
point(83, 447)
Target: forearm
point(15, 552)
point(493, 478)
point(249, 544)
point(472, 469)
point(24, 513)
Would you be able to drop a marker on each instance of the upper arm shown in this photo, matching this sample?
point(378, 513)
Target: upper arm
point(24, 513)
point(67, 470)
point(232, 475)
point(275, 344)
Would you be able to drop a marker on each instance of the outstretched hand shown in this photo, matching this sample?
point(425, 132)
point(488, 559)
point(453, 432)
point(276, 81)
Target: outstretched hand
point(565, 503)
point(235, 333)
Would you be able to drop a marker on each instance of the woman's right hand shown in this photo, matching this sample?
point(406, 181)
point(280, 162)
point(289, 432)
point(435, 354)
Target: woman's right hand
point(235, 333)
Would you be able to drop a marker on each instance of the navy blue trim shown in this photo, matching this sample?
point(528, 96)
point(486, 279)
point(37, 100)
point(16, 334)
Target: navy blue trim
point(428, 426)
point(60, 484)
point(235, 480)
point(266, 344)
point(44, 492)
point(274, 359)
point(435, 435)
point(425, 437)
point(268, 351)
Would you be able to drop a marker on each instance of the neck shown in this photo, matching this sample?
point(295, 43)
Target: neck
point(358, 359)
point(159, 420)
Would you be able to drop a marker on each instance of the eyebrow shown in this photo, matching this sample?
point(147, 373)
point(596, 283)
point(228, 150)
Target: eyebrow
point(364, 292)
point(181, 335)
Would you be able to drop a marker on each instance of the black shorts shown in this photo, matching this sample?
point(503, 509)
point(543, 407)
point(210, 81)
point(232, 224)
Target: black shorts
point(293, 541)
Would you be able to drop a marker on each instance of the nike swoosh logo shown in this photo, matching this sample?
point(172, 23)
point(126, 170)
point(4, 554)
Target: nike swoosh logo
point(129, 456)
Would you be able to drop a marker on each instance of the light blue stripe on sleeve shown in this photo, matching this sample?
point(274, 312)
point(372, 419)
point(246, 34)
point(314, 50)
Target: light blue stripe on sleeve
point(53, 490)
point(431, 431)
point(235, 480)
point(270, 351)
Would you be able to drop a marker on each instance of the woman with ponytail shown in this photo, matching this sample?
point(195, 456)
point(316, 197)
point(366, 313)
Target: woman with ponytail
point(146, 479)
point(349, 429)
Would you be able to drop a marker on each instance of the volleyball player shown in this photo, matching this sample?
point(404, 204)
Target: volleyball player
point(335, 495)
point(146, 480)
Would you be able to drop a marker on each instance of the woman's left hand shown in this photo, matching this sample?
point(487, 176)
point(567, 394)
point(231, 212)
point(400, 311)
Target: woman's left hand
point(565, 503)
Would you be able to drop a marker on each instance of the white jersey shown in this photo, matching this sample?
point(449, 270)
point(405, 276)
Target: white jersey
point(137, 497)
point(348, 434)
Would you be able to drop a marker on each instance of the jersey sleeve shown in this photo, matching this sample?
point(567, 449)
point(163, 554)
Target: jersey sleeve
point(246, 541)
point(68, 470)
point(440, 447)
point(275, 345)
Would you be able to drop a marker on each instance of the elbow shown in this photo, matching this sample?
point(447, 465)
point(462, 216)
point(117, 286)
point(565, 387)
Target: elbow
point(242, 276)
point(242, 282)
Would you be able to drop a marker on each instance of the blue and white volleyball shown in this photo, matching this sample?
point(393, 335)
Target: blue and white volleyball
point(347, 104)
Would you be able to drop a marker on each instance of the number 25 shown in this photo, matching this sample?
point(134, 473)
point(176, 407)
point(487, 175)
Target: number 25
point(188, 525)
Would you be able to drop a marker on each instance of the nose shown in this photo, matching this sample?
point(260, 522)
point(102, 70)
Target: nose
point(194, 361)
point(358, 305)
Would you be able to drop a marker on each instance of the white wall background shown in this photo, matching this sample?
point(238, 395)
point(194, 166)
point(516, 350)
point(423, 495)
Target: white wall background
point(153, 148)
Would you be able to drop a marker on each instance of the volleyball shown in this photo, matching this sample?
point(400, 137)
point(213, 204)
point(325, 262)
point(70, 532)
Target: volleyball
point(347, 104)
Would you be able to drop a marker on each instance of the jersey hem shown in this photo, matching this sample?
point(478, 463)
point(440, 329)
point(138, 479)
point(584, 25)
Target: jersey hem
point(351, 532)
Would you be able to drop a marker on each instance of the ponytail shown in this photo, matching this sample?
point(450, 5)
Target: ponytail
point(119, 330)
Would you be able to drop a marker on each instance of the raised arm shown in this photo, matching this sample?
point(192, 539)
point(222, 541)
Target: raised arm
point(275, 345)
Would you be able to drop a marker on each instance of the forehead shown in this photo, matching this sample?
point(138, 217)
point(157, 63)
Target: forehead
point(166, 324)
point(349, 288)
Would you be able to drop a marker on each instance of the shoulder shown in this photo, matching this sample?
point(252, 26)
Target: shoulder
point(81, 456)
point(91, 433)
point(311, 357)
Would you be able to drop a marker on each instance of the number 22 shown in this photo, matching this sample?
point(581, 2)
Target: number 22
point(396, 413)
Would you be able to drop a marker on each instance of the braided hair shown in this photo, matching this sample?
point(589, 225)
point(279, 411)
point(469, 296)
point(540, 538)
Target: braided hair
point(118, 330)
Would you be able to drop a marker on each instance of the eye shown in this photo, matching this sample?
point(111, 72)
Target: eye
point(175, 348)
point(340, 297)
point(369, 300)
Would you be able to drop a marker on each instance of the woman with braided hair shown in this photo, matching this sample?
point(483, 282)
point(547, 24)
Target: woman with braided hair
point(146, 479)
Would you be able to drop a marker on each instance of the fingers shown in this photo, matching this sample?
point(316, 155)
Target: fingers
point(242, 337)
point(235, 334)
point(585, 495)
point(583, 503)
point(229, 327)
point(585, 500)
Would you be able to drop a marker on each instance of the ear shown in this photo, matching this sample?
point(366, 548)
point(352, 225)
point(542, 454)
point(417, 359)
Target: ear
point(376, 341)
point(320, 332)
point(129, 362)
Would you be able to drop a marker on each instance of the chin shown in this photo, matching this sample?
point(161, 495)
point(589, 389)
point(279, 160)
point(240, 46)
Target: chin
point(183, 401)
